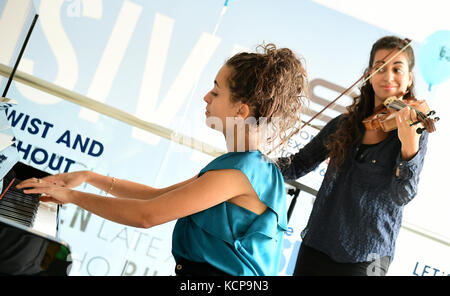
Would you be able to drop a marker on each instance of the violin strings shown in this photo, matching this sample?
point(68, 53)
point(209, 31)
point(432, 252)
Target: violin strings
point(403, 104)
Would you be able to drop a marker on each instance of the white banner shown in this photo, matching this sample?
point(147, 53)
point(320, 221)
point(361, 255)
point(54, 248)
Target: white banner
point(156, 60)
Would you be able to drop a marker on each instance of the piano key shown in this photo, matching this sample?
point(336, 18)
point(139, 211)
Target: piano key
point(11, 216)
point(13, 200)
point(17, 206)
point(22, 198)
point(46, 216)
point(46, 220)
point(17, 213)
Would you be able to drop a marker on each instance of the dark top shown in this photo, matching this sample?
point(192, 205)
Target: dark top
point(358, 211)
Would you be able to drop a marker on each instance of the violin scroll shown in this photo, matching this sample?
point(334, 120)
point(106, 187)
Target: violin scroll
point(428, 123)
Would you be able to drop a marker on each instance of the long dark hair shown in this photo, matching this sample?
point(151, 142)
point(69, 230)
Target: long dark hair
point(350, 128)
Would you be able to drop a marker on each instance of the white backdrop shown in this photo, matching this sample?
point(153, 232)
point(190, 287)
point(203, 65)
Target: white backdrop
point(156, 60)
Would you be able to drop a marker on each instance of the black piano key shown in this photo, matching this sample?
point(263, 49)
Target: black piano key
point(19, 205)
point(25, 220)
point(16, 207)
point(14, 217)
point(22, 198)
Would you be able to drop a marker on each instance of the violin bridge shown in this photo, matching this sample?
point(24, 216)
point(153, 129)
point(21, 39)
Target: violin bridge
point(389, 101)
point(394, 103)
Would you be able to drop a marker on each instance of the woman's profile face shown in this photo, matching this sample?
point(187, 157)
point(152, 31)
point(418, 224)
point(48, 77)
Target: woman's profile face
point(219, 105)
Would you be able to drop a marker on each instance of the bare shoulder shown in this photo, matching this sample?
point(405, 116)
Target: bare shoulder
point(244, 195)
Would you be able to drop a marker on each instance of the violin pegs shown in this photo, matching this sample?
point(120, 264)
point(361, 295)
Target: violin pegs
point(420, 130)
point(428, 125)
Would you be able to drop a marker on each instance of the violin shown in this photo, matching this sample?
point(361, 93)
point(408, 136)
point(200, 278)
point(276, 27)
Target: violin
point(384, 120)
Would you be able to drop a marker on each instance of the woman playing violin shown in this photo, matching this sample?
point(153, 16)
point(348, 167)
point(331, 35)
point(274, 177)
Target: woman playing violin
point(371, 176)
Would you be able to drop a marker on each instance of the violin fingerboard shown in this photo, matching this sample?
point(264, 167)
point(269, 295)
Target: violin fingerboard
point(394, 103)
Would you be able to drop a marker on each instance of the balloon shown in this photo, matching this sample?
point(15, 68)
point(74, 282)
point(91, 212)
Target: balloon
point(434, 58)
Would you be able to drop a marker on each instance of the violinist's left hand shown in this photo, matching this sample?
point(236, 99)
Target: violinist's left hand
point(406, 133)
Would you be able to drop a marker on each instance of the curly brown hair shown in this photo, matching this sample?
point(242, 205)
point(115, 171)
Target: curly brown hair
point(350, 127)
point(273, 83)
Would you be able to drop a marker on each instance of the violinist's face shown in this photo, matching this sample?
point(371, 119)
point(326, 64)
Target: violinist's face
point(394, 79)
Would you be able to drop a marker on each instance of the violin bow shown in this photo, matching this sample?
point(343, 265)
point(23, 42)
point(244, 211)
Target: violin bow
point(406, 43)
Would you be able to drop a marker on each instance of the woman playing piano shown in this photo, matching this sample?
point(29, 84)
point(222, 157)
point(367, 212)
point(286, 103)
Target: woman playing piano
point(232, 214)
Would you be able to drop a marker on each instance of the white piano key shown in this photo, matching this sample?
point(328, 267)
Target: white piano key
point(46, 218)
